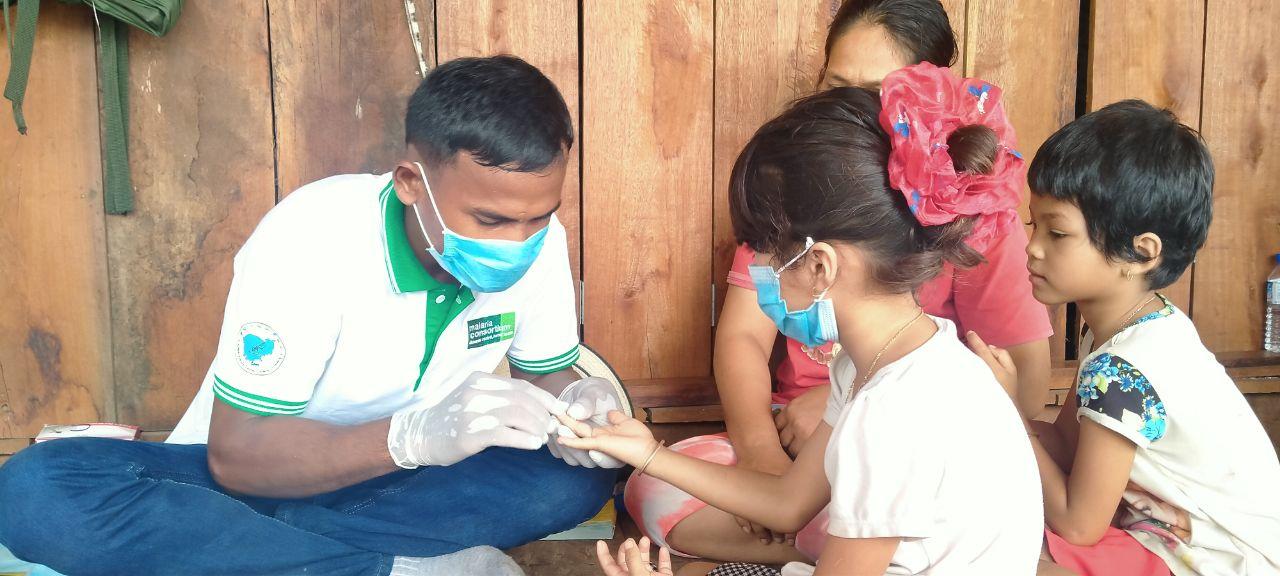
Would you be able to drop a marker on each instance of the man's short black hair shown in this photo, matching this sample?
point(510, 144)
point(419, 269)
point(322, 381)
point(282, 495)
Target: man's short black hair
point(500, 109)
point(1132, 168)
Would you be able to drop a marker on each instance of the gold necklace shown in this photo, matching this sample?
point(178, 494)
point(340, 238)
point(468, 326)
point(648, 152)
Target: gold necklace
point(871, 370)
point(1125, 323)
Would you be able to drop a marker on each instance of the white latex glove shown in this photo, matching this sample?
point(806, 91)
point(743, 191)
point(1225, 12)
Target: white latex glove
point(484, 411)
point(589, 400)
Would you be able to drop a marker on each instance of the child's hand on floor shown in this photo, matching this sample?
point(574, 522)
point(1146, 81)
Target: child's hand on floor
point(625, 438)
point(633, 560)
point(999, 361)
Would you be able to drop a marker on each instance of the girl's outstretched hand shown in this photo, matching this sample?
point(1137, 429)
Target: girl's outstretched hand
point(625, 438)
point(633, 560)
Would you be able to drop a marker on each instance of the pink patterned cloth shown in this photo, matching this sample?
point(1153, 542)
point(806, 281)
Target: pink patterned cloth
point(658, 506)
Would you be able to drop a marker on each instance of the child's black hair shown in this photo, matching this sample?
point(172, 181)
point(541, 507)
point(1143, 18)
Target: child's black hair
point(819, 170)
point(1132, 168)
point(920, 28)
point(500, 109)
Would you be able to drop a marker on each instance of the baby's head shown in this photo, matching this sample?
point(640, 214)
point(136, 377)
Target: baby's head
point(1120, 196)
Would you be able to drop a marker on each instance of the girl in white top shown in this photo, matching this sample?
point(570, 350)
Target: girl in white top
point(1121, 202)
point(927, 470)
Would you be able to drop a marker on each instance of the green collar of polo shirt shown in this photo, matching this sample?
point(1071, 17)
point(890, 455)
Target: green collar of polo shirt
point(403, 268)
point(444, 301)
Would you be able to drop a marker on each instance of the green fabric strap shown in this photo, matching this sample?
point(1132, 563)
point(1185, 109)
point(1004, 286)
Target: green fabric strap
point(113, 80)
point(156, 17)
point(21, 42)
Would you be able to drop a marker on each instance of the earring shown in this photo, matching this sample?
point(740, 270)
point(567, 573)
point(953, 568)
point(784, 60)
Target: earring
point(1126, 274)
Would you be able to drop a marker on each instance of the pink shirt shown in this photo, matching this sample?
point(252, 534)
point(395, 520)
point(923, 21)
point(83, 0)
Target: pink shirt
point(993, 299)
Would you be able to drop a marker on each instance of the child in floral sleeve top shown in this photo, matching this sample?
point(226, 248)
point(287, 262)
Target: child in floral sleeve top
point(1158, 465)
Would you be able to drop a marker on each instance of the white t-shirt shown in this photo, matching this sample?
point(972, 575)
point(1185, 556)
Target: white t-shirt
point(332, 317)
point(933, 451)
point(1200, 448)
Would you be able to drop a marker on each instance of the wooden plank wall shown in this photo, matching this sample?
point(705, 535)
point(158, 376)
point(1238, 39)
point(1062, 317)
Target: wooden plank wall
point(1240, 119)
point(200, 145)
point(647, 184)
point(55, 333)
point(108, 317)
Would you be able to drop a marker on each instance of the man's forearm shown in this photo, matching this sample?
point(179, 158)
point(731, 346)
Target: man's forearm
point(291, 457)
point(555, 382)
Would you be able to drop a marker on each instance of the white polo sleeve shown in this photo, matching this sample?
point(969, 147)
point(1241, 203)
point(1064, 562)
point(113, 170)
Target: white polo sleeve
point(281, 322)
point(886, 474)
point(546, 338)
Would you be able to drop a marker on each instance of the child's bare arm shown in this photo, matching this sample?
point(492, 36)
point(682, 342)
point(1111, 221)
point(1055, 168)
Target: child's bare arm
point(780, 503)
point(1079, 507)
point(856, 556)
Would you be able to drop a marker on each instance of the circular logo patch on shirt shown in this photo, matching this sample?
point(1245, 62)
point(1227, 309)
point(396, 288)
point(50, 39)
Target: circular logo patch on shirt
point(260, 350)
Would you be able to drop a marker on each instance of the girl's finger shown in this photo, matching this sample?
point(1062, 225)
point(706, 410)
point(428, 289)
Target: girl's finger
point(618, 417)
point(581, 429)
point(605, 558)
point(635, 563)
point(579, 443)
point(628, 551)
point(1006, 361)
point(644, 549)
point(664, 562)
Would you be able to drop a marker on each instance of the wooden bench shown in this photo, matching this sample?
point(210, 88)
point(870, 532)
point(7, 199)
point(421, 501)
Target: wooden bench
point(679, 400)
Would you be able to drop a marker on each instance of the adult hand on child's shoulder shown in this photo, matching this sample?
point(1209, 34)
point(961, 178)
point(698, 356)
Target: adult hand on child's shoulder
point(798, 419)
point(998, 360)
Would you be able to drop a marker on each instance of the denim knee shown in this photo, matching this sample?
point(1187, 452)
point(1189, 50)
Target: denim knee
point(572, 495)
point(27, 488)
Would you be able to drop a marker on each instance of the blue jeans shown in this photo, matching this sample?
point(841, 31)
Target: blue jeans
point(98, 506)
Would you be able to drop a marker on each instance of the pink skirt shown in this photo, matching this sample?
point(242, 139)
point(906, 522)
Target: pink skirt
point(1116, 553)
point(657, 506)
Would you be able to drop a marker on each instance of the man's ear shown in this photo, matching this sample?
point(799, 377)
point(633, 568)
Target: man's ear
point(408, 183)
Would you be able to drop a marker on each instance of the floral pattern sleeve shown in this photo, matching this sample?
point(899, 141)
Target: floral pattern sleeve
point(1116, 395)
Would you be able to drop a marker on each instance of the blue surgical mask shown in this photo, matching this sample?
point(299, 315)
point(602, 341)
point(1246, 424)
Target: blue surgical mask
point(483, 265)
point(814, 326)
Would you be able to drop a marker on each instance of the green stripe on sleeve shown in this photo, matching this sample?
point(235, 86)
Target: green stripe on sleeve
point(253, 403)
point(549, 365)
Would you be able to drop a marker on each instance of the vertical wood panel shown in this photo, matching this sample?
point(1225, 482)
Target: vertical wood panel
point(767, 55)
point(1029, 49)
point(342, 74)
point(55, 363)
point(1152, 50)
point(201, 153)
point(544, 33)
point(1241, 123)
point(647, 172)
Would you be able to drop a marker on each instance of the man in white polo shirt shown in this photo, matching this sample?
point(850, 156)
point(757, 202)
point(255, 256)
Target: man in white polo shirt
point(349, 423)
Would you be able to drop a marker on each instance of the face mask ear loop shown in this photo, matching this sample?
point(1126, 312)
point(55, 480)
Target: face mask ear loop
point(430, 196)
point(426, 236)
point(808, 243)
